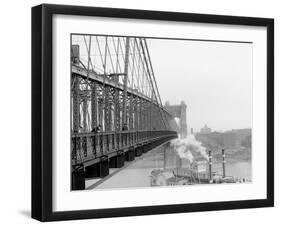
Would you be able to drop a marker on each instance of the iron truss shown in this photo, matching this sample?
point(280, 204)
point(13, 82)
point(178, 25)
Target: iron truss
point(115, 102)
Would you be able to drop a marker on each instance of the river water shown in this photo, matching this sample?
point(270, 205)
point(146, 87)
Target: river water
point(236, 169)
point(137, 173)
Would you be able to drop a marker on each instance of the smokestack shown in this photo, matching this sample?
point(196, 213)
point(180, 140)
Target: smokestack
point(223, 163)
point(210, 166)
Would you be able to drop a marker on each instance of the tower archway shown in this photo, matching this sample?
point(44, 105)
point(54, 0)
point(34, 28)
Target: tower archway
point(179, 111)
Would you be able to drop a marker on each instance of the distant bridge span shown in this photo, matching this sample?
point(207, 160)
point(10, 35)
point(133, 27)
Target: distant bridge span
point(116, 109)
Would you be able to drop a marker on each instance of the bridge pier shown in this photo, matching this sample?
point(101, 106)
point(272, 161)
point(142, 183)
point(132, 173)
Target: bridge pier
point(139, 151)
point(100, 169)
point(145, 148)
point(150, 146)
point(117, 161)
point(78, 179)
point(92, 171)
point(130, 154)
point(104, 167)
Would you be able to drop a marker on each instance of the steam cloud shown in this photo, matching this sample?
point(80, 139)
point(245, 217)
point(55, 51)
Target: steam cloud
point(185, 147)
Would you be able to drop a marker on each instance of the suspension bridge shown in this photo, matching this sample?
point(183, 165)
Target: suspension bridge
point(116, 108)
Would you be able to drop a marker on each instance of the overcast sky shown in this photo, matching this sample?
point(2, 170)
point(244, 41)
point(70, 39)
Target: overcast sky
point(213, 78)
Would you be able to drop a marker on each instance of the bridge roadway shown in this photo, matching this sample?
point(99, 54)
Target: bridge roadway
point(134, 174)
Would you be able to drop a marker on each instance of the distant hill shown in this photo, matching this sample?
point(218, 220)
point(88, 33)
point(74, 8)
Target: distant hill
point(228, 139)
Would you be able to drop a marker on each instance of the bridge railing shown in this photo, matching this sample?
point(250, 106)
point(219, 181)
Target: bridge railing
point(90, 146)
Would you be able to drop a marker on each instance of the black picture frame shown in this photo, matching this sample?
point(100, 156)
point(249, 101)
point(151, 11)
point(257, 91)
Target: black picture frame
point(42, 111)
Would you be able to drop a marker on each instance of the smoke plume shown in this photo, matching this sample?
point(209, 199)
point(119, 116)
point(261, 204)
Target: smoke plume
point(185, 147)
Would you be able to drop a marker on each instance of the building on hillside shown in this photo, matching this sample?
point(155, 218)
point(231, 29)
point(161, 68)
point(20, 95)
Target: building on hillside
point(228, 139)
point(205, 130)
point(213, 139)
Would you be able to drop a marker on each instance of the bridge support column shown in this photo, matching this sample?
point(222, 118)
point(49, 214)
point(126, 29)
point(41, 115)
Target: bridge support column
point(104, 166)
point(92, 171)
point(78, 179)
point(117, 161)
point(130, 155)
point(145, 148)
point(149, 147)
point(100, 169)
point(139, 151)
point(152, 145)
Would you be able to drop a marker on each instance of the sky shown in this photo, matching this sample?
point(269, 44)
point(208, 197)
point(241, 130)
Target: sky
point(214, 79)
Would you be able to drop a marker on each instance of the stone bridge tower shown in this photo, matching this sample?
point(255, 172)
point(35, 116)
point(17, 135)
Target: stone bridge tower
point(179, 111)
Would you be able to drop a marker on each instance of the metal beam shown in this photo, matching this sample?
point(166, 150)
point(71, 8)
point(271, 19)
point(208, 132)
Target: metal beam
point(125, 83)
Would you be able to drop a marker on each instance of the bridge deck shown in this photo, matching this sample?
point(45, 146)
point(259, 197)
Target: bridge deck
point(89, 148)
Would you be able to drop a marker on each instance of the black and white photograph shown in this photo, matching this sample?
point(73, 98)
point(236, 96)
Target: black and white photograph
point(157, 112)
